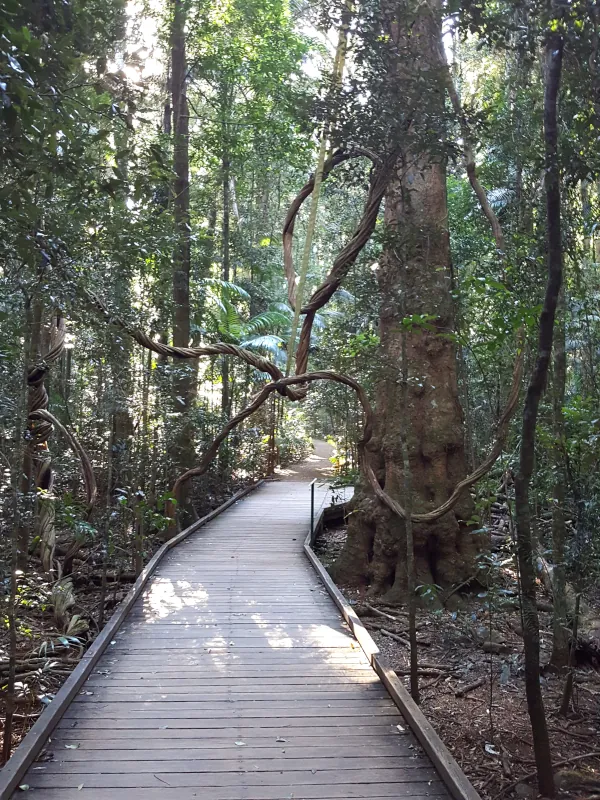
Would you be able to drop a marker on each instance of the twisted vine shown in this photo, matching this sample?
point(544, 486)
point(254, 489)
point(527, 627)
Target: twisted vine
point(302, 379)
point(329, 375)
point(39, 430)
point(220, 348)
point(89, 479)
point(347, 255)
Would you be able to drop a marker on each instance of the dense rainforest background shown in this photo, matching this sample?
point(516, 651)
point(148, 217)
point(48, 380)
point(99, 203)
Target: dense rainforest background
point(431, 172)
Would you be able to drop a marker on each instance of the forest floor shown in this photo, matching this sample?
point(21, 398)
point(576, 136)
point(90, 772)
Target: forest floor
point(473, 691)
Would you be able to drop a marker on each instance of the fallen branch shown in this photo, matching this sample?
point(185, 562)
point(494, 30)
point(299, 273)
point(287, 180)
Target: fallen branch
point(470, 687)
point(383, 614)
point(426, 673)
point(395, 637)
point(454, 589)
point(405, 642)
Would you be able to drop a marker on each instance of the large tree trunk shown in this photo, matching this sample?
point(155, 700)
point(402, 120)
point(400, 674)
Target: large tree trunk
point(415, 278)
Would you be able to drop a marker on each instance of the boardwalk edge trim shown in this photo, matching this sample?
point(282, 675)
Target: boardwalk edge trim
point(33, 742)
point(448, 768)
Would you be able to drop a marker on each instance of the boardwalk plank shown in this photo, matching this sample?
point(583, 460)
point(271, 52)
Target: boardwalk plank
point(432, 790)
point(234, 677)
point(282, 750)
point(242, 732)
point(235, 777)
point(93, 721)
point(207, 695)
point(239, 763)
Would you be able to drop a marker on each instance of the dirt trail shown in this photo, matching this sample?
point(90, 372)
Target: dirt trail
point(317, 465)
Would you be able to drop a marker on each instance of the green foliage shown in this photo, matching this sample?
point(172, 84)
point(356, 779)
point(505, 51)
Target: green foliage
point(86, 201)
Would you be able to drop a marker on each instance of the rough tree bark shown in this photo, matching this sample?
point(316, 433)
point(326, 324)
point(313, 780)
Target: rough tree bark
point(525, 547)
point(418, 249)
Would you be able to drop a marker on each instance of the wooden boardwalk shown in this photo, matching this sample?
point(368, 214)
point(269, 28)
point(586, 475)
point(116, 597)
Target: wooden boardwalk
point(234, 677)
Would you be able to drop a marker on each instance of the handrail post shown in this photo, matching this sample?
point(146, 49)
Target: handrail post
point(312, 510)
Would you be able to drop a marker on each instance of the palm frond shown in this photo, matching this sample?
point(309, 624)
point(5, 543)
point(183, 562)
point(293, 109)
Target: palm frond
point(268, 320)
point(269, 343)
point(229, 321)
point(283, 308)
point(225, 289)
point(501, 197)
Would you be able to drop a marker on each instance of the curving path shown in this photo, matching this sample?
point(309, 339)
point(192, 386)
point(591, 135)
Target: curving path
point(316, 465)
point(234, 678)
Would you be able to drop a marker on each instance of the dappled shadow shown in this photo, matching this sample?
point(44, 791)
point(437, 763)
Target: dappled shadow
point(228, 601)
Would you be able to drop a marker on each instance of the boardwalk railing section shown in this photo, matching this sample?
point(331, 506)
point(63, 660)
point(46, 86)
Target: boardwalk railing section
point(448, 768)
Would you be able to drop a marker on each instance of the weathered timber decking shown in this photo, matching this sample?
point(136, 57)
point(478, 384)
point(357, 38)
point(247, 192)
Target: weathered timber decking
point(234, 677)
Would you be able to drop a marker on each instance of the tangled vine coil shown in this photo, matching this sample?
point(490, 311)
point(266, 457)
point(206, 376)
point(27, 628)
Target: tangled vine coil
point(40, 426)
point(39, 431)
point(295, 387)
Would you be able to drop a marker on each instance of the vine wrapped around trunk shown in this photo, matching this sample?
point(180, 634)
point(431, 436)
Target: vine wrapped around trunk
point(39, 431)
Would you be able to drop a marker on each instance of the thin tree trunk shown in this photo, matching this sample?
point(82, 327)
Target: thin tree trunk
point(568, 687)
point(33, 315)
point(42, 430)
point(226, 274)
point(138, 556)
point(183, 384)
point(106, 532)
point(560, 647)
point(596, 237)
point(11, 609)
point(226, 389)
point(337, 77)
point(525, 550)
point(586, 211)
